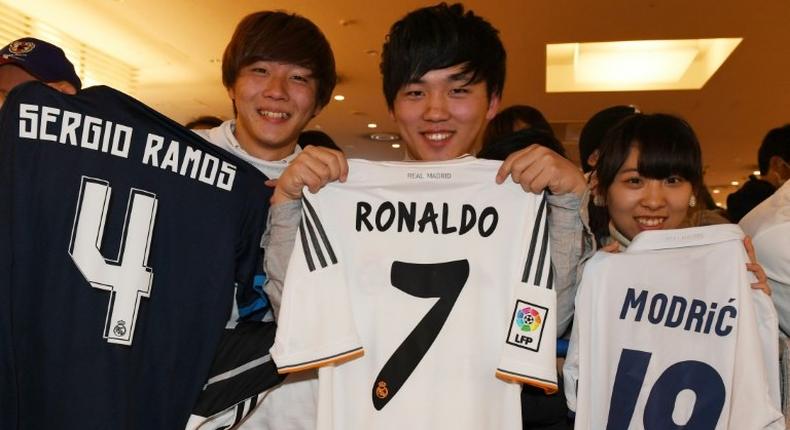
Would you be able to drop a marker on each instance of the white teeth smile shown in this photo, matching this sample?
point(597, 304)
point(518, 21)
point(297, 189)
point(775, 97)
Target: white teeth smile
point(438, 136)
point(649, 222)
point(276, 115)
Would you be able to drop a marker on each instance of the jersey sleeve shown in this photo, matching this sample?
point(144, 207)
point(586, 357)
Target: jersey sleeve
point(316, 325)
point(240, 377)
point(580, 341)
point(529, 352)
point(756, 369)
point(773, 252)
point(570, 369)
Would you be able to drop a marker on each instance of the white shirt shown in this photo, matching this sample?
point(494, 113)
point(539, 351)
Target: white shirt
point(223, 137)
point(670, 331)
point(769, 226)
point(440, 277)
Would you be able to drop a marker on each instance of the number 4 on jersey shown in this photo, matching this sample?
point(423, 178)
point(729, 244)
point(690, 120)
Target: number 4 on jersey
point(127, 278)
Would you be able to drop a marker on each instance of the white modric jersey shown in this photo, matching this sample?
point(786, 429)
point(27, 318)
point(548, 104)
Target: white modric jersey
point(668, 334)
point(441, 277)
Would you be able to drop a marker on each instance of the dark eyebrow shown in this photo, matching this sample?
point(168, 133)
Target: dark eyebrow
point(456, 77)
point(466, 77)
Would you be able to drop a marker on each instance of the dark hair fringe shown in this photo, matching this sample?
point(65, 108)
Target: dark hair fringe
point(438, 37)
point(502, 124)
point(667, 146)
point(595, 129)
point(281, 36)
point(518, 140)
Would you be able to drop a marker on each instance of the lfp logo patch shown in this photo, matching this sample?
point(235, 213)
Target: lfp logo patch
point(528, 319)
point(526, 326)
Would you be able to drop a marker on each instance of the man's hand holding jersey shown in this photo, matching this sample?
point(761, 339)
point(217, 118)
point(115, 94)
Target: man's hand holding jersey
point(536, 168)
point(313, 168)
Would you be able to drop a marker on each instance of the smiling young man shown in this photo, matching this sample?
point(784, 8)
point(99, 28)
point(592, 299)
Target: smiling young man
point(443, 72)
point(279, 72)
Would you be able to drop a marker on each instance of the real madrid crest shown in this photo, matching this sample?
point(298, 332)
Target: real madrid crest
point(381, 390)
point(120, 328)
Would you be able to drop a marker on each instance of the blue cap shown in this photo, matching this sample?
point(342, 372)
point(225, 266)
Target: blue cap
point(45, 61)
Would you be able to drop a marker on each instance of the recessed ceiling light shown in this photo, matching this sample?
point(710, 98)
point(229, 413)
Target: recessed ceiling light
point(638, 65)
point(340, 98)
point(716, 191)
point(396, 145)
point(317, 126)
point(734, 183)
point(372, 125)
point(384, 137)
point(756, 173)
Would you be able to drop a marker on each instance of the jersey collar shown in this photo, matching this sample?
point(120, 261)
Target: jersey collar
point(685, 237)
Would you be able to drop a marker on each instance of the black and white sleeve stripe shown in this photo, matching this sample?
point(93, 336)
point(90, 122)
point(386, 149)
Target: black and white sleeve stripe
point(227, 419)
point(537, 268)
point(240, 376)
point(314, 240)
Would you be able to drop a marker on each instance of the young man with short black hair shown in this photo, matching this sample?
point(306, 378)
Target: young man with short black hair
point(443, 73)
point(441, 100)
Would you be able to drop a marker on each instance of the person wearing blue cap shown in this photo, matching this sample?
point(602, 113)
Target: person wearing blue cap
point(30, 59)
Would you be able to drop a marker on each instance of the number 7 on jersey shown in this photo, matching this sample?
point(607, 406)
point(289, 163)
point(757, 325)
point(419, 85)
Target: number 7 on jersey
point(442, 280)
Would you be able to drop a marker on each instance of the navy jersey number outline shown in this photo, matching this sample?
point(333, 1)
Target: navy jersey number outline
point(436, 280)
point(127, 277)
point(699, 377)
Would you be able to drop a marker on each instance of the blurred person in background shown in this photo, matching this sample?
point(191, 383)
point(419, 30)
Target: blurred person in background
point(204, 122)
point(773, 157)
point(317, 138)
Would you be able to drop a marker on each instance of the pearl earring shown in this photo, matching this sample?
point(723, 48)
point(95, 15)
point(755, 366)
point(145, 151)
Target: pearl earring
point(598, 201)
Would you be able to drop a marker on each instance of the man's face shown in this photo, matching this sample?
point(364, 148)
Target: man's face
point(10, 77)
point(440, 116)
point(274, 102)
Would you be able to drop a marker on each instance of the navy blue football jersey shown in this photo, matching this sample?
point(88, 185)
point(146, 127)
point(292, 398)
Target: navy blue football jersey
point(122, 236)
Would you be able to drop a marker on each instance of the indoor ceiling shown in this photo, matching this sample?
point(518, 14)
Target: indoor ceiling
point(175, 46)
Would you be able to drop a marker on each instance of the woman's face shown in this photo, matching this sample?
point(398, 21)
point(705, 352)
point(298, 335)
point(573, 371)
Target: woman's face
point(636, 203)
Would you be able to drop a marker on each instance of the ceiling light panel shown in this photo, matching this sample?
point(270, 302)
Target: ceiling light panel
point(640, 65)
point(92, 65)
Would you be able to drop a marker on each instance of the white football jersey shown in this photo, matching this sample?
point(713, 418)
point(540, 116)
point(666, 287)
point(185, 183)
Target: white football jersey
point(417, 284)
point(668, 334)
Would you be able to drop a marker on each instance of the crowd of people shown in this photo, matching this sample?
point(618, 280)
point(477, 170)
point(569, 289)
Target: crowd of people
point(443, 74)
